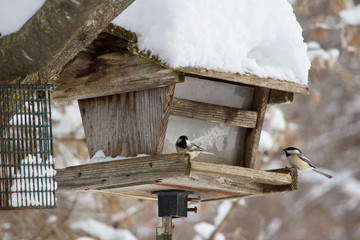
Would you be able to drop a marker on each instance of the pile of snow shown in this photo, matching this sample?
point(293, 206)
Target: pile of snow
point(14, 14)
point(274, 125)
point(101, 157)
point(275, 118)
point(266, 141)
point(259, 37)
point(34, 183)
point(325, 58)
point(205, 229)
point(101, 230)
point(351, 16)
point(67, 121)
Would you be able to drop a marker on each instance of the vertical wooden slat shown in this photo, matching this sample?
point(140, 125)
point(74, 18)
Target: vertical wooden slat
point(165, 118)
point(124, 124)
point(252, 138)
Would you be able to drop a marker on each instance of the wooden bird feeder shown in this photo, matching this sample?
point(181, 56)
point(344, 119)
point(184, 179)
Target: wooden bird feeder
point(126, 98)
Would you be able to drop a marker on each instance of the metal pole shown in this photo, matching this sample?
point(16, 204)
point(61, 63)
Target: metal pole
point(165, 232)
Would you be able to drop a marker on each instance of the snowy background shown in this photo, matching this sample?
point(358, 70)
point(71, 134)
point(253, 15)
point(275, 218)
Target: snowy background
point(324, 124)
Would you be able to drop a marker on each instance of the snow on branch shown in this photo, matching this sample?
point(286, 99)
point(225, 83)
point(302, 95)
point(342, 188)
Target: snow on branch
point(53, 36)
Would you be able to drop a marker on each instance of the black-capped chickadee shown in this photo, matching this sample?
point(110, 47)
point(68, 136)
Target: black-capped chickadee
point(183, 145)
point(302, 163)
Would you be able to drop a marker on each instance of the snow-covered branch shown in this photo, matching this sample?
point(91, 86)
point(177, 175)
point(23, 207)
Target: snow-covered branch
point(55, 34)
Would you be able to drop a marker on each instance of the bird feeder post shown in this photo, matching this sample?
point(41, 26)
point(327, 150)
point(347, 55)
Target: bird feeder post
point(171, 203)
point(165, 232)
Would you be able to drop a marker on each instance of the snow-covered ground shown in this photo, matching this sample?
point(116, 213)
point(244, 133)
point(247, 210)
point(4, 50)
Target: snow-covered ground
point(351, 15)
point(101, 230)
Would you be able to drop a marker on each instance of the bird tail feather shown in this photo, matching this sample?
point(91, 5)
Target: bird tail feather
point(208, 153)
point(322, 173)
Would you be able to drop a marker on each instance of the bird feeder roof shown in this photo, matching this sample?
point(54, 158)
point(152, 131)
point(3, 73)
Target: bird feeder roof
point(258, 43)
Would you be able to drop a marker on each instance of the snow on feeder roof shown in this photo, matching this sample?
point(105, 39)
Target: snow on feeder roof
point(257, 37)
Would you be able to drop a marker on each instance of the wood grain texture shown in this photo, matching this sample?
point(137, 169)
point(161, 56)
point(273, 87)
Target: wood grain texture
point(245, 174)
point(247, 79)
point(124, 124)
point(122, 173)
point(213, 113)
point(252, 138)
point(278, 97)
point(165, 118)
point(139, 177)
point(218, 181)
point(121, 32)
point(285, 188)
point(110, 74)
point(52, 37)
point(213, 185)
point(219, 187)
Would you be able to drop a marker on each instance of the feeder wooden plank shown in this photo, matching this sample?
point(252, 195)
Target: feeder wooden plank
point(139, 177)
point(125, 124)
point(165, 118)
point(213, 185)
point(244, 174)
point(252, 138)
point(213, 113)
point(277, 97)
point(122, 173)
point(248, 79)
point(210, 188)
point(110, 74)
point(144, 192)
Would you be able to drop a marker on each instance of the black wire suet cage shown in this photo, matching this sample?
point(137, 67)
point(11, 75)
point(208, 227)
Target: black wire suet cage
point(27, 164)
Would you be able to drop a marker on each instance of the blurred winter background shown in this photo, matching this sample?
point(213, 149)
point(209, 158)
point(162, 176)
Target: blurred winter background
point(324, 124)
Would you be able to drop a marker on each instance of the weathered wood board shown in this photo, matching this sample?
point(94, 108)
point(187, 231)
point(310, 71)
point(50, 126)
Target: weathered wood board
point(252, 138)
point(126, 124)
point(139, 177)
point(122, 173)
point(109, 74)
point(213, 113)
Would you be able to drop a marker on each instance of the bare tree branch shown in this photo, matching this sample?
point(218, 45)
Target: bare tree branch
point(53, 36)
point(225, 220)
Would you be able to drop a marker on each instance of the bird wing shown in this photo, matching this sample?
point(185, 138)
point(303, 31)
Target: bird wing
point(195, 147)
point(305, 159)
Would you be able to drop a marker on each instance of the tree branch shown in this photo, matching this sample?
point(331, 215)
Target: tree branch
point(225, 220)
point(53, 36)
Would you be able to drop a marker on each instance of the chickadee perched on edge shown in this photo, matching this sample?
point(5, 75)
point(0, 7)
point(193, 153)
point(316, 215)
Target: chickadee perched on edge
point(183, 145)
point(302, 163)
